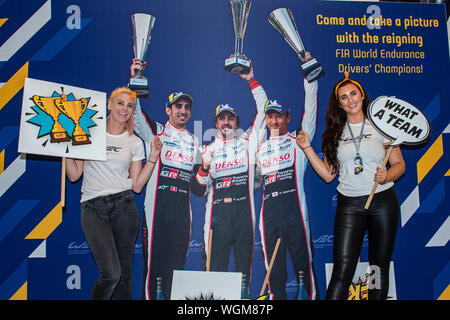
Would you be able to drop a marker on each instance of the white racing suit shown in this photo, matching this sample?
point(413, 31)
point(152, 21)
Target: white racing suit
point(284, 213)
point(229, 187)
point(167, 210)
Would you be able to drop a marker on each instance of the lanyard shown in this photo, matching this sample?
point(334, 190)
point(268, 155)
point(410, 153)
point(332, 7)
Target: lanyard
point(357, 145)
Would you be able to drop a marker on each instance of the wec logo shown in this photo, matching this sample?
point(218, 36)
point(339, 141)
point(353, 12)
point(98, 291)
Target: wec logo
point(323, 241)
point(113, 149)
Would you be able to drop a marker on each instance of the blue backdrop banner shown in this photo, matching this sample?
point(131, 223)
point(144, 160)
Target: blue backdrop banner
point(394, 49)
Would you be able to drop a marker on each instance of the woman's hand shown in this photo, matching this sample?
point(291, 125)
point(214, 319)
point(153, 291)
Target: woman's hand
point(156, 147)
point(396, 169)
point(381, 175)
point(303, 140)
point(140, 175)
point(320, 166)
point(74, 169)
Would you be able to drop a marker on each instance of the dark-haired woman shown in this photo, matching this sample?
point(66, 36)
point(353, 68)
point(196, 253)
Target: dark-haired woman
point(355, 150)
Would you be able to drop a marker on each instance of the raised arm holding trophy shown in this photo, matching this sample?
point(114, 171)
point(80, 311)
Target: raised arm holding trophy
point(142, 33)
point(283, 20)
point(238, 62)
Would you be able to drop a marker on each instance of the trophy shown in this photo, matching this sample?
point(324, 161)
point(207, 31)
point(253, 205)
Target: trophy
point(237, 62)
point(74, 110)
point(283, 21)
point(142, 33)
point(47, 104)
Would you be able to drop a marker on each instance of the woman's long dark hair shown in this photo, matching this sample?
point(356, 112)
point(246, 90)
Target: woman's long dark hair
point(335, 120)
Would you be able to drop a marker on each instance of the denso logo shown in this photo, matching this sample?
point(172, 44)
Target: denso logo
point(223, 183)
point(229, 164)
point(268, 162)
point(174, 155)
point(169, 173)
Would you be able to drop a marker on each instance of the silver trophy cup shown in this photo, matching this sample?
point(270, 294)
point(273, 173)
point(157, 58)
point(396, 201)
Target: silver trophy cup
point(142, 33)
point(284, 22)
point(237, 62)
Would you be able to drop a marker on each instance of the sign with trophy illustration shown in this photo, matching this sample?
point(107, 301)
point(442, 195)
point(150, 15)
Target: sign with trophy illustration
point(62, 121)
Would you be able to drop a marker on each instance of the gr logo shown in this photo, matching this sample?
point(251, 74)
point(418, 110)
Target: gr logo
point(223, 183)
point(74, 279)
point(170, 173)
point(271, 178)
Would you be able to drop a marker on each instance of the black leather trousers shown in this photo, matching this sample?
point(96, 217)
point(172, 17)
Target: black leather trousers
point(350, 225)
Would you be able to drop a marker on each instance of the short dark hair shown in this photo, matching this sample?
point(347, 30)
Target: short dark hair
point(238, 120)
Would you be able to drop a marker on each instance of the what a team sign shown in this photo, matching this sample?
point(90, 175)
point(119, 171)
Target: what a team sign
point(399, 120)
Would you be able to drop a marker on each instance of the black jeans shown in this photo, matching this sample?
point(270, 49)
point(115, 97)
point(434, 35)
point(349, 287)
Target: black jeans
point(350, 225)
point(110, 225)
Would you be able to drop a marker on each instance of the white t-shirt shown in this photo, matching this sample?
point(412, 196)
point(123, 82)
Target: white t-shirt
point(372, 152)
point(101, 178)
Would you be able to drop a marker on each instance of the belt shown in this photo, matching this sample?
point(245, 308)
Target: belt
point(110, 197)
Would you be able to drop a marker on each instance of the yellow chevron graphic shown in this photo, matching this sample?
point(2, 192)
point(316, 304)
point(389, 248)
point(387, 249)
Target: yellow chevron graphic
point(21, 294)
point(51, 221)
point(429, 159)
point(13, 85)
point(2, 161)
point(2, 21)
point(447, 174)
point(446, 294)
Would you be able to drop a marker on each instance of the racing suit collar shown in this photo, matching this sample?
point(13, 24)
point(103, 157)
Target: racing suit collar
point(175, 127)
point(278, 137)
point(225, 139)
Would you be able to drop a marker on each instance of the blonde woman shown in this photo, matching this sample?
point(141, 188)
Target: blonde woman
point(109, 217)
